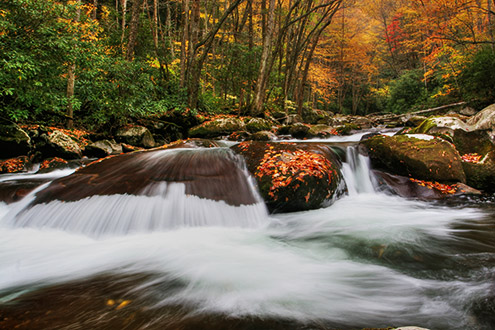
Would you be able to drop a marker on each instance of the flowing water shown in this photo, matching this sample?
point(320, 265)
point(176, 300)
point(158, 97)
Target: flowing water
point(368, 260)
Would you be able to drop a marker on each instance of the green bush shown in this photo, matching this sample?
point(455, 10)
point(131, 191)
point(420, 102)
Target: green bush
point(407, 92)
point(478, 79)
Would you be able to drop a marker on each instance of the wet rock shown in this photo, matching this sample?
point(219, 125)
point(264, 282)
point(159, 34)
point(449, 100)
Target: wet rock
point(51, 164)
point(239, 136)
point(217, 127)
point(258, 124)
point(414, 155)
point(292, 177)
point(138, 136)
point(13, 140)
point(481, 175)
point(299, 130)
point(14, 165)
point(263, 136)
point(410, 188)
point(58, 144)
point(321, 131)
point(13, 191)
point(102, 148)
point(210, 173)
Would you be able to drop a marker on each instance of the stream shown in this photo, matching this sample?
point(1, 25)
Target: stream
point(172, 260)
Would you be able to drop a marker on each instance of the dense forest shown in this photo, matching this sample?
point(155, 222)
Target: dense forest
point(89, 62)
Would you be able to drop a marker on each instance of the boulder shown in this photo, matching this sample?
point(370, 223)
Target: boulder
point(467, 111)
point(14, 165)
point(51, 164)
point(321, 131)
point(239, 136)
point(416, 155)
point(58, 144)
point(102, 148)
point(213, 174)
point(217, 127)
point(258, 124)
point(440, 126)
point(484, 120)
point(414, 121)
point(292, 177)
point(299, 130)
point(263, 136)
point(412, 188)
point(13, 140)
point(138, 136)
point(481, 175)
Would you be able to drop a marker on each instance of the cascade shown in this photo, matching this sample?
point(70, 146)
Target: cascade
point(357, 173)
point(146, 192)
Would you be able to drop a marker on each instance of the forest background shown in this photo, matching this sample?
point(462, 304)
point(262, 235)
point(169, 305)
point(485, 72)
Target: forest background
point(94, 62)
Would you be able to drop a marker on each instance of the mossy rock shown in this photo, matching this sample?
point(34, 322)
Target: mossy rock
point(419, 156)
point(138, 136)
point(299, 130)
point(321, 131)
point(481, 175)
point(262, 136)
point(346, 128)
point(217, 127)
point(258, 124)
point(13, 140)
point(436, 125)
point(292, 177)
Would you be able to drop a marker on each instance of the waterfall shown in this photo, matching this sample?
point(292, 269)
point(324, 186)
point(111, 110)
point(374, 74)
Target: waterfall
point(357, 173)
point(147, 192)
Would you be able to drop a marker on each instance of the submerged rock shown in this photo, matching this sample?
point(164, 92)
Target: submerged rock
point(414, 155)
point(210, 173)
point(292, 177)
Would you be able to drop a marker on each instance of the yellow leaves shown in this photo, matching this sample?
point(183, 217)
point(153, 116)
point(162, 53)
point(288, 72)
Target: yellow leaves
point(121, 303)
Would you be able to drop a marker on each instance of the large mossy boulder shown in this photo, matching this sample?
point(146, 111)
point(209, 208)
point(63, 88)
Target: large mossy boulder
point(138, 136)
point(415, 155)
point(13, 140)
point(217, 127)
point(292, 177)
point(258, 124)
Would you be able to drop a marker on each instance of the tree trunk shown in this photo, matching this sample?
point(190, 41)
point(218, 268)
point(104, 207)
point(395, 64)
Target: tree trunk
point(71, 81)
point(260, 90)
point(183, 43)
point(133, 28)
point(124, 12)
point(95, 8)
